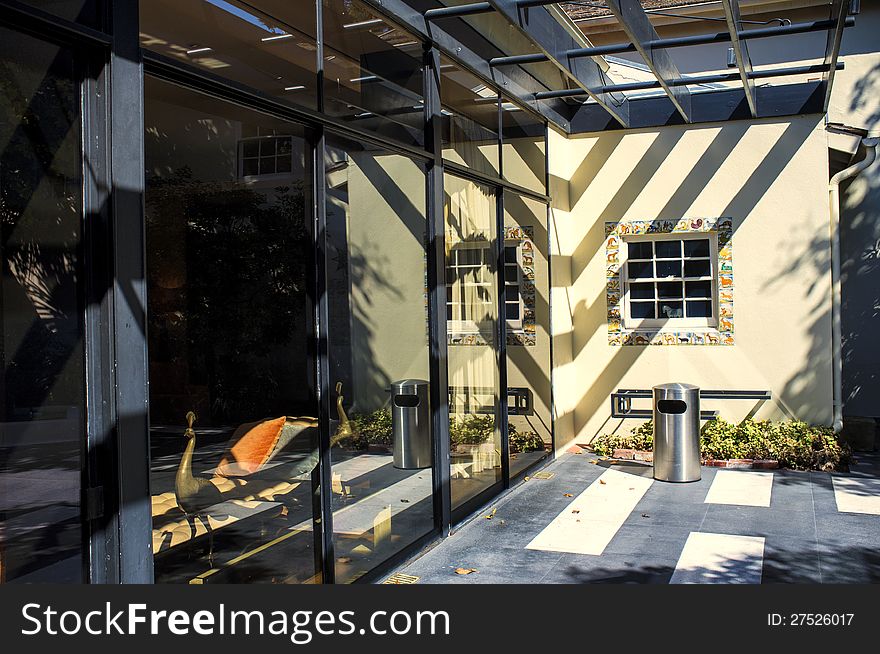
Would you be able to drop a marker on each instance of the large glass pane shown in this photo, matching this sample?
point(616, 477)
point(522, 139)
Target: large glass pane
point(373, 72)
point(378, 340)
point(474, 395)
point(524, 149)
point(470, 119)
point(86, 12)
point(229, 255)
point(266, 45)
point(528, 340)
point(42, 408)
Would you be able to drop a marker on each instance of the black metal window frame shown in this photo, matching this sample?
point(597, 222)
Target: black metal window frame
point(116, 474)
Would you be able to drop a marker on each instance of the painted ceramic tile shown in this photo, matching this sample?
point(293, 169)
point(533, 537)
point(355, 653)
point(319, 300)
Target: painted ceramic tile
point(723, 227)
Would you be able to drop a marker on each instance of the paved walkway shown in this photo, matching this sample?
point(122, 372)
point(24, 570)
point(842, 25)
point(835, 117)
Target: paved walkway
point(594, 522)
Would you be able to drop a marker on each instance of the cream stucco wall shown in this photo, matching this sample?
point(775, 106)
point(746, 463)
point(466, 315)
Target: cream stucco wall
point(770, 177)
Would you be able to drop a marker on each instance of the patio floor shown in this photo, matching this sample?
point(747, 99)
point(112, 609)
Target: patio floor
point(598, 522)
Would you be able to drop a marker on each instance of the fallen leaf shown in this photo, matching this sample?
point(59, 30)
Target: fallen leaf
point(527, 478)
point(567, 495)
point(645, 515)
point(602, 481)
point(344, 559)
point(576, 511)
point(492, 515)
point(594, 462)
point(464, 571)
point(405, 501)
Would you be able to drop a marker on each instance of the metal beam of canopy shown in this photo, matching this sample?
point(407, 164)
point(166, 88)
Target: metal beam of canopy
point(832, 46)
point(680, 41)
point(518, 84)
point(696, 80)
point(637, 26)
point(741, 50)
point(551, 37)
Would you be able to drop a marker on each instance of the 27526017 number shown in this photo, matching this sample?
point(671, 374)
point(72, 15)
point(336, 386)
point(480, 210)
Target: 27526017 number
point(810, 619)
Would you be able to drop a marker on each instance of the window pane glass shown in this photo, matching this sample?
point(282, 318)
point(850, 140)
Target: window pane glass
point(699, 309)
point(528, 344)
point(228, 263)
point(668, 249)
point(378, 336)
point(372, 72)
point(85, 12)
point(641, 291)
point(470, 119)
point(669, 290)
point(640, 269)
point(266, 45)
point(42, 403)
point(524, 148)
point(511, 293)
point(474, 394)
point(640, 250)
point(641, 310)
point(671, 309)
point(697, 268)
point(512, 311)
point(698, 289)
point(696, 247)
point(668, 268)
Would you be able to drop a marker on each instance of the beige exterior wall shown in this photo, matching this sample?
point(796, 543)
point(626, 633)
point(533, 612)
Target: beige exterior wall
point(771, 178)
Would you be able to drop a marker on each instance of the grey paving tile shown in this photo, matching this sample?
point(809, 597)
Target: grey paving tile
point(758, 521)
point(790, 561)
point(646, 542)
point(610, 569)
point(849, 563)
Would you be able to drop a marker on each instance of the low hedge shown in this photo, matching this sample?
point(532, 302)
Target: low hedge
point(792, 443)
point(375, 429)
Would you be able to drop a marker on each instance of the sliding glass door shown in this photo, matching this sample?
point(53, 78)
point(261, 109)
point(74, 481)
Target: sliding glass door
point(233, 410)
point(475, 403)
point(42, 365)
point(377, 333)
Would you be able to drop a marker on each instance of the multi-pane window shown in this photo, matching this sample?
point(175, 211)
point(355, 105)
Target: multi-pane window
point(669, 279)
point(267, 153)
point(469, 282)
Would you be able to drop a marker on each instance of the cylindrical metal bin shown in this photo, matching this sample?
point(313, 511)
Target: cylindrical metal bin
point(411, 424)
point(677, 432)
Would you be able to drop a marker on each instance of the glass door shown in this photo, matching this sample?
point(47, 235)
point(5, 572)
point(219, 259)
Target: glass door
point(377, 331)
point(42, 397)
point(233, 409)
point(475, 405)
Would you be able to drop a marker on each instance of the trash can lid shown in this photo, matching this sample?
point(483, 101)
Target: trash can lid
point(409, 382)
point(677, 386)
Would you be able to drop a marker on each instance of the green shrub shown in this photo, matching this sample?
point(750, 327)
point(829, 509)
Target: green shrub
point(370, 429)
point(792, 443)
point(524, 441)
point(472, 429)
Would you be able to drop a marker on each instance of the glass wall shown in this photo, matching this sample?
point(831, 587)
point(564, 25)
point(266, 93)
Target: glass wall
point(373, 72)
point(233, 426)
point(472, 314)
point(42, 396)
point(470, 119)
point(261, 44)
point(87, 12)
point(527, 308)
point(524, 148)
point(378, 338)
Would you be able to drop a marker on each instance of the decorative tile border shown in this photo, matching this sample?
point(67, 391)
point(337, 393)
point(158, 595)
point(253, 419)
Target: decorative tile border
point(614, 235)
point(525, 337)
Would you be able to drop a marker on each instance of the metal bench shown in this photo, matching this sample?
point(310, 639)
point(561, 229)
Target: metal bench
point(621, 401)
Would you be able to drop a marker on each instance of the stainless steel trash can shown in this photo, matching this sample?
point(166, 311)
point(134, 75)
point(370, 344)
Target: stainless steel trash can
point(677, 432)
point(411, 424)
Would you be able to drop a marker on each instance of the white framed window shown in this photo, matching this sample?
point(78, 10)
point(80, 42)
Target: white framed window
point(669, 281)
point(266, 154)
point(470, 287)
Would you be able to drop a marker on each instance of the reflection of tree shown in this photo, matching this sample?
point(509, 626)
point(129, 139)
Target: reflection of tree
point(242, 308)
point(40, 224)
